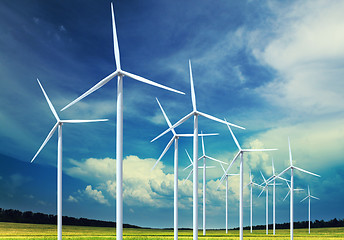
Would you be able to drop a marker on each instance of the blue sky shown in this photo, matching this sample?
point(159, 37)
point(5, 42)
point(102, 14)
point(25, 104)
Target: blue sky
point(274, 67)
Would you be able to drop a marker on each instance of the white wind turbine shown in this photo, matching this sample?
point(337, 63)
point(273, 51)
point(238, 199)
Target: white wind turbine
point(292, 167)
point(195, 113)
point(273, 178)
point(175, 140)
point(119, 123)
point(309, 196)
point(266, 189)
point(241, 153)
point(295, 190)
point(251, 184)
point(204, 157)
point(226, 179)
point(58, 125)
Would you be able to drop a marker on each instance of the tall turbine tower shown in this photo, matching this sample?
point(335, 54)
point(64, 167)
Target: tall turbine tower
point(309, 196)
point(119, 123)
point(175, 140)
point(292, 167)
point(58, 125)
point(195, 113)
point(241, 153)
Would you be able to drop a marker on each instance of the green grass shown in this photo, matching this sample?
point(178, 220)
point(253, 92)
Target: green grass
point(42, 231)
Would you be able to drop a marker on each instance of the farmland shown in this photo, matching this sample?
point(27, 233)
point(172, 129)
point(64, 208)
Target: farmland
point(45, 231)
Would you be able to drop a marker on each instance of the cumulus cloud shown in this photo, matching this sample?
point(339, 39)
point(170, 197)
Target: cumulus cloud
point(96, 195)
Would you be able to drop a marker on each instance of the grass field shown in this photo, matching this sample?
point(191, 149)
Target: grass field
point(42, 231)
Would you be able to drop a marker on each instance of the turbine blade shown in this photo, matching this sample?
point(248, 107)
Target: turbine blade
point(259, 150)
point(188, 166)
point(46, 140)
point(300, 169)
point(203, 144)
point(315, 197)
point(200, 135)
point(214, 159)
point(224, 170)
point(218, 120)
point(193, 96)
point(261, 191)
point(188, 175)
point(210, 167)
point(115, 40)
point(165, 150)
point(49, 102)
point(263, 176)
point(189, 156)
point(144, 80)
point(309, 193)
point(286, 195)
point(304, 199)
point(284, 179)
point(283, 172)
point(92, 89)
point(84, 121)
point(174, 126)
point(233, 136)
point(230, 165)
point(165, 116)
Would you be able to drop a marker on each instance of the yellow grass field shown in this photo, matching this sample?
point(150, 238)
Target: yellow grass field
point(42, 231)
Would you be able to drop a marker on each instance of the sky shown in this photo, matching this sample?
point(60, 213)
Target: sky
point(273, 67)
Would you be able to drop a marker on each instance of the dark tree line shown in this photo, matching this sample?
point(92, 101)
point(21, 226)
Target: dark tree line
point(304, 224)
point(11, 215)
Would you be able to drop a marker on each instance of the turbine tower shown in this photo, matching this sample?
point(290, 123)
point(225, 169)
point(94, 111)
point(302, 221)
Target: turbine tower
point(175, 140)
point(58, 125)
point(119, 123)
point(309, 196)
point(195, 113)
point(292, 167)
point(241, 193)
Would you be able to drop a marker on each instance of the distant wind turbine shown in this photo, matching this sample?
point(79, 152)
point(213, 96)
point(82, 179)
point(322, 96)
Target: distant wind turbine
point(205, 157)
point(292, 167)
point(119, 123)
point(309, 196)
point(226, 179)
point(241, 193)
point(251, 184)
point(195, 113)
point(58, 126)
point(175, 140)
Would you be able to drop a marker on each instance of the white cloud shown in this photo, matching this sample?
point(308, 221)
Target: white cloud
point(306, 51)
point(72, 199)
point(96, 195)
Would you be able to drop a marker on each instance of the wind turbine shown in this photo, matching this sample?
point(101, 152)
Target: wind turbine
point(175, 140)
point(309, 196)
point(266, 189)
point(119, 123)
point(241, 153)
point(205, 157)
point(58, 125)
point(273, 178)
point(251, 184)
point(227, 175)
point(295, 190)
point(292, 167)
point(195, 113)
